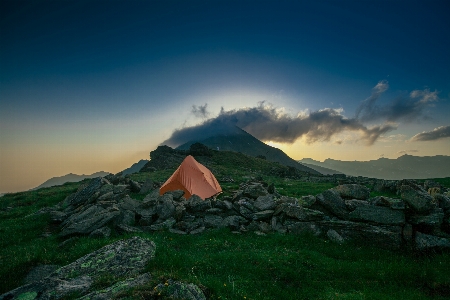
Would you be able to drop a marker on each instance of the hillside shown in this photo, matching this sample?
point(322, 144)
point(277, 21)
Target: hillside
point(404, 167)
point(68, 178)
point(266, 237)
point(136, 167)
point(321, 170)
point(235, 139)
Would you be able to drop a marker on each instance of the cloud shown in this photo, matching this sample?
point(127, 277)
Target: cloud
point(269, 123)
point(200, 111)
point(407, 151)
point(436, 134)
point(408, 109)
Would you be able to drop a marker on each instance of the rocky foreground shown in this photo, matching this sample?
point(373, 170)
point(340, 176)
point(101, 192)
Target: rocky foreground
point(419, 219)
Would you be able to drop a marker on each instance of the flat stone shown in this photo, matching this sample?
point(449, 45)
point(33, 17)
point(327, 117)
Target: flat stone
point(377, 214)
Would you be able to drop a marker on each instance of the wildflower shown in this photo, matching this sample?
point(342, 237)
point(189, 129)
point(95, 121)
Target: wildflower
point(224, 284)
point(166, 284)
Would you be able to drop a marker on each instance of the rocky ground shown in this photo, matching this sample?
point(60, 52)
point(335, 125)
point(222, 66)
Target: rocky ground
point(417, 219)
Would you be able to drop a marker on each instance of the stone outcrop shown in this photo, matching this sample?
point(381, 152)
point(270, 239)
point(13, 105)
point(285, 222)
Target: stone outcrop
point(124, 260)
point(343, 213)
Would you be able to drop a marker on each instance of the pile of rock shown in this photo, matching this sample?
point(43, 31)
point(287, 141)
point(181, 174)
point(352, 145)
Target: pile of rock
point(417, 219)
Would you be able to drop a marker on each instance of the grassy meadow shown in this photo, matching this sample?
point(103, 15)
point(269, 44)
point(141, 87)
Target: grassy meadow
point(224, 264)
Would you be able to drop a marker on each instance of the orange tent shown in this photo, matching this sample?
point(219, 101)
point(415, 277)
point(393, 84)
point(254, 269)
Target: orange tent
point(193, 178)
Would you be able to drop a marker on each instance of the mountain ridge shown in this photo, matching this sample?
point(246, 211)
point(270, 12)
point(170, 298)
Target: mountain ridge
point(233, 138)
point(403, 167)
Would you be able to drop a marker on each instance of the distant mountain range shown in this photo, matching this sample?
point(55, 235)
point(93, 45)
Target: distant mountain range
point(404, 167)
point(68, 178)
point(232, 138)
point(136, 167)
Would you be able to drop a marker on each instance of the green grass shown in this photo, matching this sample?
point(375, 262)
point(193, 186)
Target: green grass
point(226, 265)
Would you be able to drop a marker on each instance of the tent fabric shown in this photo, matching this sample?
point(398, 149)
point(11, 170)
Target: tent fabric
point(193, 178)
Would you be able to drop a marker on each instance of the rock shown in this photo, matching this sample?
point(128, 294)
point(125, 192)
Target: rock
point(224, 205)
point(198, 230)
point(39, 272)
point(176, 231)
point(254, 190)
point(302, 214)
point(196, 204)
point(443, 201)
point(263, 215)
point(335, 237)
point(307, 201)
point(231, 222)
point(429, 242)
point(126, 217)
point(291, 200)
point(303, 228)
point(129, 203)
point(135, 187)
point(124, 258)
point(377, 214)
point(431, 184)
point(119, 287)
point(179, 290)
point(264, 203)
point(85, 195)
point(146, 187)
point(57, 217)
point(264, 227)
point(388, 202)
point(164, 225)
point(151, 199)
point(353, 204)
point(165, 208)
point(383, 236)
point(177, 194)
point(88, 220)
point(333, 203)
point(418, 200)
point(245, 212)
point(213, 221)
point(123, 228)
point(433, 219)
point(103, 232)
point(353, 191)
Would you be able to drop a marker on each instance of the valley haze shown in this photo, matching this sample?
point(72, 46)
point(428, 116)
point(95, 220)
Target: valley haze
point(88, 85)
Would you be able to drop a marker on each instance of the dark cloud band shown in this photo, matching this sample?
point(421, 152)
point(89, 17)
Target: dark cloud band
point(436, 134)
point(268, 123)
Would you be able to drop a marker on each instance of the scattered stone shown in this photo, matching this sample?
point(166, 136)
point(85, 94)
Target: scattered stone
point(307, 201)
point(254, 190)
point(123, 228)
point(387, 202)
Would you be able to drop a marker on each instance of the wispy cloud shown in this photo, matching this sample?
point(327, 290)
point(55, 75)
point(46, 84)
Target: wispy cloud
point(200, 111)
point(408, 109)
point(269, 123)
point(435, 134)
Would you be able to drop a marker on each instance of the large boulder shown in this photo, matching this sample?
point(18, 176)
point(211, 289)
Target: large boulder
point(254, 190)
point(122, 259)
point(353, 191)
point(418, 200)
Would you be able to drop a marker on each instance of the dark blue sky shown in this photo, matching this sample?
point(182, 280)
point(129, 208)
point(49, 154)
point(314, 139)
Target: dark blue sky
point(140, 66)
